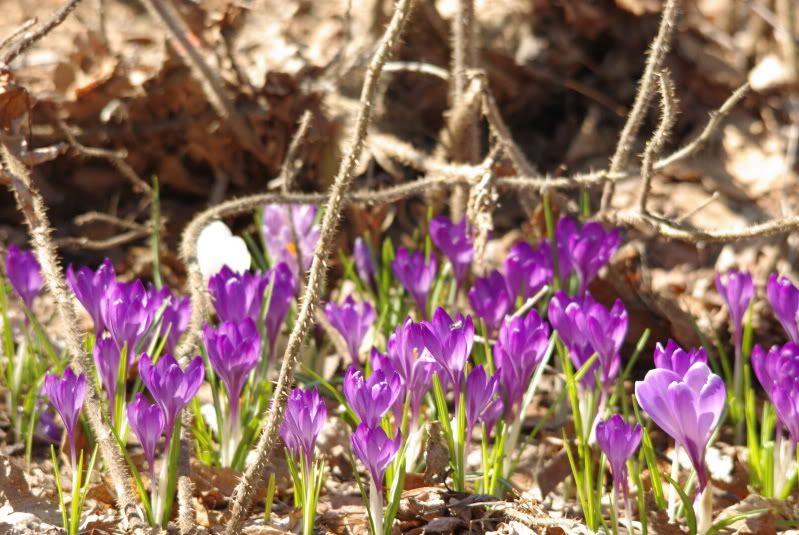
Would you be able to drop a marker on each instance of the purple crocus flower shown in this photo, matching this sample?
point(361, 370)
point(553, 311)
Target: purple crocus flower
point(89, 286)
point(364, 263)
point(490, 300)
point(587, 327)
point(371, 398)
point(409, 357)
point(618, 440)
point(450, 343)
point(590, 249)
point(527, 270)
point(480, 392)
point(674, 358)
point(233, 350)
point(175, 316)
point(147, 423)
point(784, 299)
point(24, 274)
point(737, 293)
point(491, 414)
point(452, 240)
point(46, 428)
point(279, 239)
point(106, 359)
point(415, 275)
point(687, 408)
point(520, 348)
point(306, 413)
point(778, 372)
point(171, 387)
point(352, 321)
point(283, 291)
point(66, 395)
point(127, 313)
point(375, 450)
point(237, 295)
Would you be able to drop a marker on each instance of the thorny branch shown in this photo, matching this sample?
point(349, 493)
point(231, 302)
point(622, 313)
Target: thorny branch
point(34, 35)
point(668, 116)
point(32, 207)
point(646, 90)
point(243, 494)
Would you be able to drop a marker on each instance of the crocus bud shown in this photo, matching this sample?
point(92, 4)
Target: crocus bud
point(353, 321)
point(490, 300)
point(371, 398)
point(306, 413)
point(687, 408)
point(674, 358)
point(24, 274)
point(147, 423)
point(618, 440)
point(737, 293)
point(171, 387)
point(784, 299)
point(106, 359)
point(234, 350)
point(279, 238)
point(777, 370)
point(364, 263)
point(89, 286)
point(452, 240)
point(480, 392)
point(237, 295)
point(375, 450)
point(450, 343)
point(126, 312)
point(66, 394)
point(590, 249)
point(527, 270)
point(415, 275)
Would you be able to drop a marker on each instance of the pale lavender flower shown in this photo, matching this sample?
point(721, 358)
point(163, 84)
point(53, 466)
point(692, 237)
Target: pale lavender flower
point(24, 274)
point(490, 300)
point(415, 275)
point(67, 394)
point(687, 408)
point(352, 320)
point(784, 299)
point(171, 387)
point(89, 287)
point(375, 450)
point(279, 239)
point(778, 372)
point(737, 293)
point(453, 240)
point(364, 263)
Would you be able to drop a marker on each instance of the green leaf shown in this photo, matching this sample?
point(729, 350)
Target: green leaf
point(690, 515)
point(730, 520)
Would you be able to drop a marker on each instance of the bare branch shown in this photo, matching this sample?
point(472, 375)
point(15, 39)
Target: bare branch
point(34, 35)
point(668, 116)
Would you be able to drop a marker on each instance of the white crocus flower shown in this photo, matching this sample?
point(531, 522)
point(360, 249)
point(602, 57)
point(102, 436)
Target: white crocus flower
point(217, 247)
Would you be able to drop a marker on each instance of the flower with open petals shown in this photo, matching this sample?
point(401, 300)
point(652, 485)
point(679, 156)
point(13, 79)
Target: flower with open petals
point(66, 395)
point(618, 440)
point(89, 286)
point(490, 300)
point(452, 240)
point(674, 358)
point(127, 313)
point(375, 450)
point(371, 398)
point(234, 350)
point(24, 274)
point(147, 423)
point(171, 387)
point(449, 341)
point(280, 238)
point(415, 275)
point(306, 413)
point(520, 348)
point(778, 372)
point(687, 408)
point(527, 270)
point(784, 299)
point(737, 293)
point(353, 321)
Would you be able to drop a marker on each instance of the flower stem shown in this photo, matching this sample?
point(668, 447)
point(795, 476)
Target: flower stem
point(376, 508)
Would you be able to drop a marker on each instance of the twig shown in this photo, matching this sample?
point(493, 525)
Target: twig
point(30, 38)
point(500, 129)
point(646, 90)
point(31, 205)
point(290, 168)
point(13, 35)
point(417, 67)
point(83, 242)
point(695, 210)
point(242, 496)
point(668, 116)
point(91, 217)
point(164, 12)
